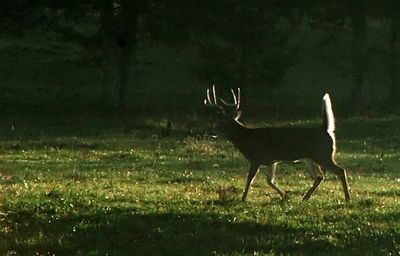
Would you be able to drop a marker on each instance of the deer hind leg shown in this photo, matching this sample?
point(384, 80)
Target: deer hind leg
point(270, 179)
point(341, 173)
point(318, 176)
point(250, 177)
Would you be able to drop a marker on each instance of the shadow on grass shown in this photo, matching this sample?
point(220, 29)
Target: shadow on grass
point(126, 233)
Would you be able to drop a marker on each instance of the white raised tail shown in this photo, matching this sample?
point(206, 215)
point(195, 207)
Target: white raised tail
point(270, 146)
point(329, 118)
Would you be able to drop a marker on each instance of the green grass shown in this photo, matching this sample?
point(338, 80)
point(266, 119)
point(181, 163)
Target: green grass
point(90, 184)
point(92, 188)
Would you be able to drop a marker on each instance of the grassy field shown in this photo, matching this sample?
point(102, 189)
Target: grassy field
point(100, 187)
point(77, 181)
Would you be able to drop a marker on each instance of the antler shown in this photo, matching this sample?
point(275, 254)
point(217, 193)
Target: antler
point(212, 99)
point(209, 100)
point(236, 99)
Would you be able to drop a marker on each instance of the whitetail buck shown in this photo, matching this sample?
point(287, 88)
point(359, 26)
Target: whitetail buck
point(272, 145)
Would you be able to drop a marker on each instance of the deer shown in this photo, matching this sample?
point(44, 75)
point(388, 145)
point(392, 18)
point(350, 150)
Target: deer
point(269, 146)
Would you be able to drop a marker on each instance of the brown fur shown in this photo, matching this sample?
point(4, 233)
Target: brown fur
point(272, 145)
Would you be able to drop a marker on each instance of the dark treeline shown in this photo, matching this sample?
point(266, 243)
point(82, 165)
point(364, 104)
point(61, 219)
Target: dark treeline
point(241, 43)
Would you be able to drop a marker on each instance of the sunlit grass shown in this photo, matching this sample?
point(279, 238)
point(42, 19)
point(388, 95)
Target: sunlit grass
point(137, 192)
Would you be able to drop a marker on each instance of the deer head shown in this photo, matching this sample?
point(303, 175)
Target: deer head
point(228, 111)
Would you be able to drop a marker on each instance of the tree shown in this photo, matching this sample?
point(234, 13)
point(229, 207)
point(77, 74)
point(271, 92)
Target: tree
point(15, 16)
point(395, 85)
point(118, 25)
point(336, 14)
point(388, 11)
point(360, 93)
point(245, 44)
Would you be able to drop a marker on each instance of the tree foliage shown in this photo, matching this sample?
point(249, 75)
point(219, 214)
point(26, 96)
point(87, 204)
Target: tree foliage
point(243, 44)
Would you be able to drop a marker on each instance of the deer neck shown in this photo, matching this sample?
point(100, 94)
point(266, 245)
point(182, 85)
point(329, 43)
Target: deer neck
point(234, 130)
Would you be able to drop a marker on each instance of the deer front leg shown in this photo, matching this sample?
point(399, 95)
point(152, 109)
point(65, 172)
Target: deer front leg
point(250, 177)
point(270, 179)
point(318, 176)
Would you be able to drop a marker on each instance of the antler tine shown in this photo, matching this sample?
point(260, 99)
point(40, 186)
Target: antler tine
point(208, 98)
point(234, 97)
point(227, 104)
point(238, 98)
point(214, 95)
point(211, 97)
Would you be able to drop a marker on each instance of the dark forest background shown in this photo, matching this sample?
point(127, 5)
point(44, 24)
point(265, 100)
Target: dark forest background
point(106, 147)
point(131, 57)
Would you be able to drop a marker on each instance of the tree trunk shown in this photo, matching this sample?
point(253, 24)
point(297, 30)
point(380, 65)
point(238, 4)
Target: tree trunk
point(394, 90)
point(127, 50)
point(360, 94)
point(119, 36)
point(244, 76)
point(107, 21)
